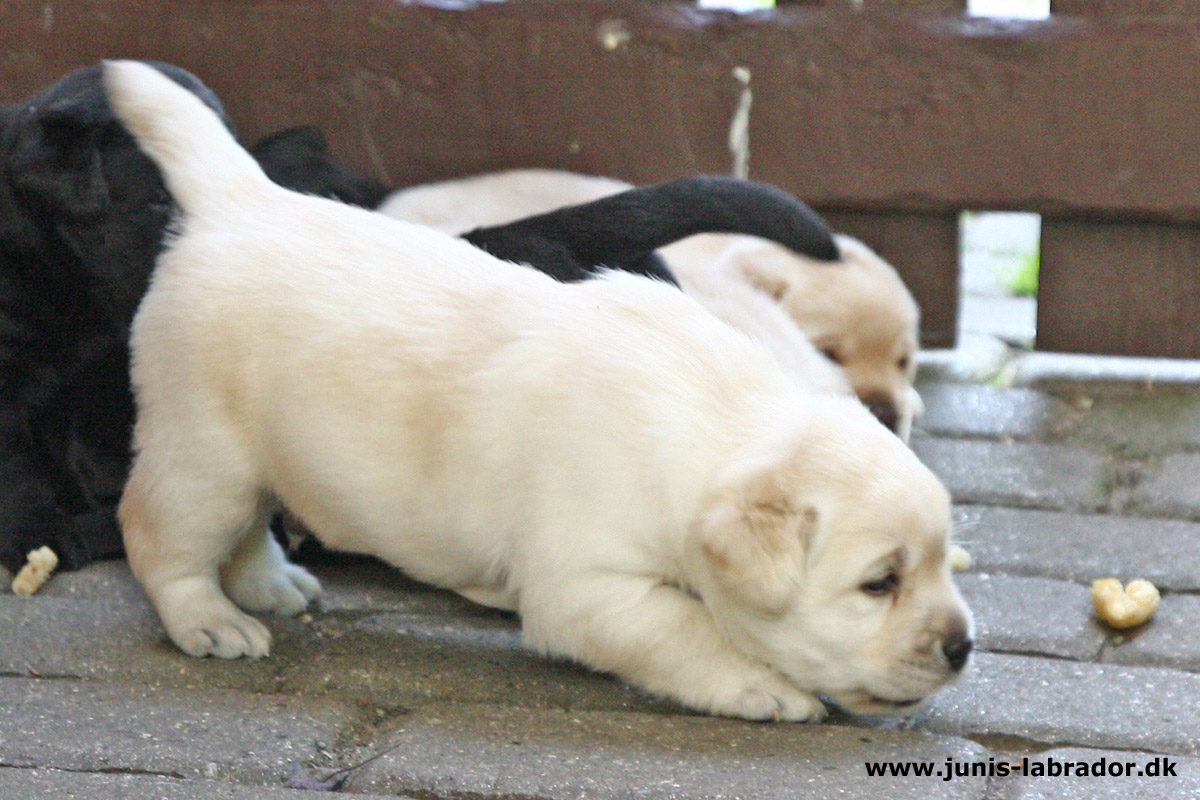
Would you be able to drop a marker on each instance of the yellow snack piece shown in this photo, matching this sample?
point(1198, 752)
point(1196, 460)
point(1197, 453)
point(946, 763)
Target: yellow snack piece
point(960, 559)
point(1124, 607)
point(40, 564)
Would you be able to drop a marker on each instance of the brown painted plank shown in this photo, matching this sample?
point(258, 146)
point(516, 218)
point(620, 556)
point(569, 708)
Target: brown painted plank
point(924, 250)
point(1183, 9)
point(1118, 289)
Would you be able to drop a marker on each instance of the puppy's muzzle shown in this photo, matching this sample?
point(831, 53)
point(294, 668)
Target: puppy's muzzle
point(883, 410)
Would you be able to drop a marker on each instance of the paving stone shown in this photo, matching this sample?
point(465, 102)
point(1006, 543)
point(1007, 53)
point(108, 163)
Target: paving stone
point(1173, 490)
point(1031, 474)
point(1032, 615)
point(1081, 547)
point(108, 580)
point(212, 734)
point(507, 752)
point(412, 662)
point(1168, 640)
point(1148, 422)
point(1145, 422)
point(1115, 784)
point(959, 409)
point(95, 623)
point(1071, 703)
point(48, 784)
point(389, 641)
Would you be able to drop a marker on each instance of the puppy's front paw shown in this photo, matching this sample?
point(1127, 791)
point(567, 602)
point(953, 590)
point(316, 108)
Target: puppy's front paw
point(231, 636)
point(286, 591)
point(774, 699)
point(202, 622)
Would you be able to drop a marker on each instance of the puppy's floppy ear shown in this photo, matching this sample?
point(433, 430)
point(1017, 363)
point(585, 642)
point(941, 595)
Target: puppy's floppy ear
point(753, 539)
point(763, 273)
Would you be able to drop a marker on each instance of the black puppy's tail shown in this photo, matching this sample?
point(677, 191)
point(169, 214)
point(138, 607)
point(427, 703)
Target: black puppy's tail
point(622, 230)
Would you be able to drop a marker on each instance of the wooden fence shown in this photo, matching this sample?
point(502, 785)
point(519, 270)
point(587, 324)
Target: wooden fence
point(891, 116)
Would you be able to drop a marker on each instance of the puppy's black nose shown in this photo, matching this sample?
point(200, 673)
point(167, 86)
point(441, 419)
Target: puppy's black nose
point(884, 411)
point(956, 649)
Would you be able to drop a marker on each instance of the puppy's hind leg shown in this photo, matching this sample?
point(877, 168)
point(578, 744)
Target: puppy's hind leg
point(179, 525)
point(260, 578)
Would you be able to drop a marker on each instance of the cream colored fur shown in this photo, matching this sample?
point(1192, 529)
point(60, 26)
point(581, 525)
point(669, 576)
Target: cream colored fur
point(643, 484)
point(857, 312)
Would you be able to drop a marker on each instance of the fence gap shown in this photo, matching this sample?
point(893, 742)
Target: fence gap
point(999, 263)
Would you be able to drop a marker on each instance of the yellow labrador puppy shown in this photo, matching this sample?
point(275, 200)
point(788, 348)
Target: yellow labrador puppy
point(643, 484)
point(857, 312)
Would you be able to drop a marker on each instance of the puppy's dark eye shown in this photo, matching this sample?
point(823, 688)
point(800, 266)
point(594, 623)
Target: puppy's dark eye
point(831, 354)
point(886, 585)
point(903, 363)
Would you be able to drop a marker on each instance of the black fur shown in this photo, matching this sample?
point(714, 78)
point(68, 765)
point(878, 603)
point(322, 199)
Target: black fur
point(623, 230)
point(82, 214)
point(299, 159)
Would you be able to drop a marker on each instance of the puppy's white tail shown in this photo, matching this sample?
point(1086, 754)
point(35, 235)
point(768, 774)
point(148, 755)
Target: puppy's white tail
point(200, 160)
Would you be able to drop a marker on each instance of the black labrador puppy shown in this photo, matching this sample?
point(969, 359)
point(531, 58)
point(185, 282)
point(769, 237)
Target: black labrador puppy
point(82, 215)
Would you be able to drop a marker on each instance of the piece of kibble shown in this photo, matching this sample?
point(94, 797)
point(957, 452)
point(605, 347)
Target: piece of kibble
point(1124, 606)
point(960, 559)
point(38, 567)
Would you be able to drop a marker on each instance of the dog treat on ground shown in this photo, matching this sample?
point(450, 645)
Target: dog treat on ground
point(960, 559)
point(36, 572)
point(1124, 607)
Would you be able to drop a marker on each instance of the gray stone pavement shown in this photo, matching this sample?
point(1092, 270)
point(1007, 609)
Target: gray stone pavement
point(1056, 483)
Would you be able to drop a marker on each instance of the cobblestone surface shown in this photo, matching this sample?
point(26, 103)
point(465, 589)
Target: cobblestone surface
point(1082, 547)
point(1056, 484)
point(1033, 615)
point(124, 727)
point(567, 754)
point(1057, 701)
point(1173, 490)
point(1029, 474)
